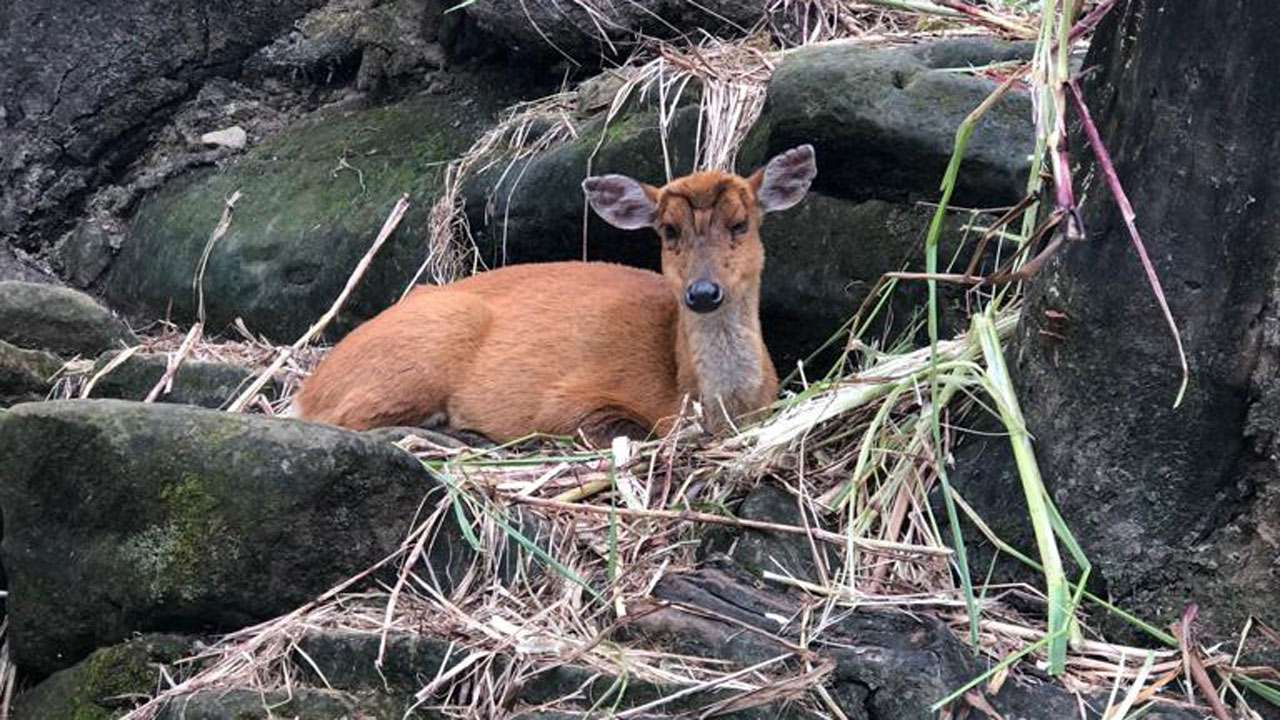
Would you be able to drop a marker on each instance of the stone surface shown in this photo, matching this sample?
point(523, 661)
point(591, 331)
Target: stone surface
point(83, 84)
point(105, 684)
point(549, 30)
point(232, 137)
point(313, 200)
point(374, 43)
point(206, 384)
point(25, 375)
point(15, 266)
point(883, 121)
point(757, 551)
point(306, 702)
point(123, 517)
point(59, 319)
point(886, 664)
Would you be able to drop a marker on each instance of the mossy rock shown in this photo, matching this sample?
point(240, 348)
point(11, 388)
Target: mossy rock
point(58, 319)
point(883, 120)
point(25, 375)
point(202, 383)
point(104, 685)
point(312, 201)
point(125, 517)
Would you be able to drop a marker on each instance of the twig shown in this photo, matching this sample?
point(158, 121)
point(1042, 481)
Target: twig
point(115, 362)
point(224, 224)
point(174, 361)
point(1191, 657)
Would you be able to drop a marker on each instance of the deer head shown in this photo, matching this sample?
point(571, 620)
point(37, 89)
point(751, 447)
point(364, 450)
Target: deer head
point(709, 223)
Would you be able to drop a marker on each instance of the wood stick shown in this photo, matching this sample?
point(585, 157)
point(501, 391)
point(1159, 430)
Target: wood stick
point(174, 362)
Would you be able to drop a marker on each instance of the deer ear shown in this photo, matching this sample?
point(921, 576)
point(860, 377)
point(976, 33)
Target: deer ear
point(622, 202)
point(785, 180)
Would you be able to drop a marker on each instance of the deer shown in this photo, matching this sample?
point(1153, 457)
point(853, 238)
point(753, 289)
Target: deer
point(596, 348)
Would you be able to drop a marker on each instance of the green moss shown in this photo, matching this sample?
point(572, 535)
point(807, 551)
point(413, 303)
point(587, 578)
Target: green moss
point(118, 671)
point(311, 201)
point(99, 688)
point(191, 552)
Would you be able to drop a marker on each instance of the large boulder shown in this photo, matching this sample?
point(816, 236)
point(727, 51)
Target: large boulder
point(887, 664)
point(122, 517)
point(883, 664)
point(313, 200)
point(533, 211)
point(82, 84)
point(883, 120)
point(59, 319)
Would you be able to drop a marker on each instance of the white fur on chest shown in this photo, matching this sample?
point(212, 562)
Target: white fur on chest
point(726, 360)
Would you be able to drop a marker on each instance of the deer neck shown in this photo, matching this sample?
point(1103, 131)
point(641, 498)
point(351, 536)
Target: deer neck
point(722, 361)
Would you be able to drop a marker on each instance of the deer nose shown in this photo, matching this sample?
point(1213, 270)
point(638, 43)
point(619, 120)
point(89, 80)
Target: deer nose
point(703, 296)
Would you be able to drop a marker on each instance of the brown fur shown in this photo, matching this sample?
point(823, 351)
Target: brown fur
point(558, 347)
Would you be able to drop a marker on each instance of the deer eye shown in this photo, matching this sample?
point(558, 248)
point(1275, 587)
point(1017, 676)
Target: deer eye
point(670, 233)
point(740, 228)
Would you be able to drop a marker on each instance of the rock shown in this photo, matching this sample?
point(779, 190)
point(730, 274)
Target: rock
point(549, 30)
point(15, 265)
point(825, 256)
point(308, 703)
point(232, 137)
point(122, 517)
point(202, 383)
point(345, 664)
point(313, 199)
point(87, 251)
point(373, 42)
point(83, 84)
point(59, 319)
point(107, 682)
point(25, 375)
point(884, 664)
point(891, 664)
point(883, 121)
point(534, 211)
point(759, 551)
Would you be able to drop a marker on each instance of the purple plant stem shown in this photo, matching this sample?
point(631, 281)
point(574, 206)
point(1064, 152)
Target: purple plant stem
point(1090, 21)
point(1126, 211)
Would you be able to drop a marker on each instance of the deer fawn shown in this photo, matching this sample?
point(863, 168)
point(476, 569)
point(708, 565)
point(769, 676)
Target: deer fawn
point(561, 347)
